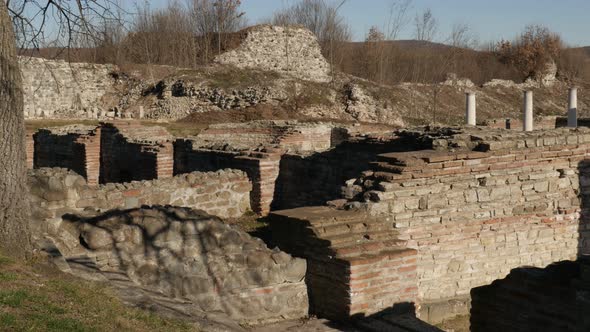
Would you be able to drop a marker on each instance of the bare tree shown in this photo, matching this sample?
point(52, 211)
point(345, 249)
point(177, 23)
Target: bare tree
point(426, 26)
point(29, 18)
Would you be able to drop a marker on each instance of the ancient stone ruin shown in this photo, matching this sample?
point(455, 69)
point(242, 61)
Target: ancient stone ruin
point(419, 216)
point(289, 50)
point(365, 224)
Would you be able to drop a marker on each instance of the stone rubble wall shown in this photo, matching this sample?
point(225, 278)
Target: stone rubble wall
point(58, 89)
point(56, 191)
point(187, 254)
point(288, 50)
point(474, 215)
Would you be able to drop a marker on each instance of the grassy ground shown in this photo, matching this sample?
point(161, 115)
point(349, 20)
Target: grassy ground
point(179, 129)
point(37, 297)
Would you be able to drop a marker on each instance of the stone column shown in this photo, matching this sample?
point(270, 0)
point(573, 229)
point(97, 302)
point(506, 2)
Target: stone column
point(470, 108)
point(527, 121)
point(572, 108)
point(141, 112)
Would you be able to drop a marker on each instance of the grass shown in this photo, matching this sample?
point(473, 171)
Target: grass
point(34, 125)
point(34, 296)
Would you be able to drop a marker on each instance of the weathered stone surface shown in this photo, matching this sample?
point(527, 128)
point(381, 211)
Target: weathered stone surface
point(289, 50)
point(212, 266)
point(58, 89)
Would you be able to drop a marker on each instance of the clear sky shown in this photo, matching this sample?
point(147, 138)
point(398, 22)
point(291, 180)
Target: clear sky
point(488, 19)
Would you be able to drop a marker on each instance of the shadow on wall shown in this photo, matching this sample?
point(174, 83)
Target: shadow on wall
point(554, 298)
point(317, 178)
point(123, 161)
point(59, 151)
point(191, 255)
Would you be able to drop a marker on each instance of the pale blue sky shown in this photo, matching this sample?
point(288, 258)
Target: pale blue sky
point(488, 19)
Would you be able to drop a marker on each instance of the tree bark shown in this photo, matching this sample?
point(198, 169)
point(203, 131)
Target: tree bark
point(15, 237)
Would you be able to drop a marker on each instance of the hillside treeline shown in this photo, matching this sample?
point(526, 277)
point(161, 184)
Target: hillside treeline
point(191, 33)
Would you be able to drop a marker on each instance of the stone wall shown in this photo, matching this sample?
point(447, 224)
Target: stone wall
point(187, 256)
point(55, 88)
point(288, 50)
point(288, 135)
point(56, 191)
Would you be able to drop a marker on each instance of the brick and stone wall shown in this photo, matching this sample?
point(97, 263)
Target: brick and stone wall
point(55, 88)
point(307, 179)
point(475, 215)
point(356, 265)
point(289, 50)
point(56, 191)
point(262, 168)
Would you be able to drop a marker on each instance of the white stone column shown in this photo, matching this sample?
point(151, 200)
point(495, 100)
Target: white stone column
point(572, 108)
point(470, 108)
point(527, 120)
point(141, 113)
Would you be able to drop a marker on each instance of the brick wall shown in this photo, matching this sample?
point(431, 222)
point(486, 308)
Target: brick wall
point(356, 266)
point(225, 193)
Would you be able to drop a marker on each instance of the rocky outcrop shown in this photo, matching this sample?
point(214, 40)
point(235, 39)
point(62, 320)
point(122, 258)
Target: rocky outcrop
point(288, 50)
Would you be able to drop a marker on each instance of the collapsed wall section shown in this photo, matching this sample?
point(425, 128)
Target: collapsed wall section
point(290, 50)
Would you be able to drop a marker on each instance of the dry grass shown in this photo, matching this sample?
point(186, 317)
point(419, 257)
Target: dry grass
point(37, 297)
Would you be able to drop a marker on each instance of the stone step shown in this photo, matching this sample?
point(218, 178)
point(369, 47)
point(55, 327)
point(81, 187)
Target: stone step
point(348, 227)
point(361, 237)
point(379, 166)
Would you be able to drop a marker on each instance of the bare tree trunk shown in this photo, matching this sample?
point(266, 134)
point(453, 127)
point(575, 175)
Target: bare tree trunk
point(14, 204)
